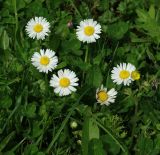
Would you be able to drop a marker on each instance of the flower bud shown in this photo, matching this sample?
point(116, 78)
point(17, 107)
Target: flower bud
point(73, 124)
point(70, 24)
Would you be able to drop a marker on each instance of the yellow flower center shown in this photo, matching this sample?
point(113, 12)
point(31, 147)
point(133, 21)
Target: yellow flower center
point(38, 28)
point(89, 30)
point(135, 75)
point(64, 82)
point(124, 74)
point(44, 60)
point(102, 96)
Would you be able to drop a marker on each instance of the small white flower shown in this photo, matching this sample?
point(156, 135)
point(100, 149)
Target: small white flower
point(88, 31)
point(122, 73)
point(38, 28)
point(64, 83)
point(45, 60)
point(105, 97)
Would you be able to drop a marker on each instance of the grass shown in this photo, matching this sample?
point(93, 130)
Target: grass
point(36, 121)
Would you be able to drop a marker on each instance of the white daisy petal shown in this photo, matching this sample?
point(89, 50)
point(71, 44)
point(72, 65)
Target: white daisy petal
point(57, 90)
point(105, 97)
point(88, 31)
point(38, 28)
point(122, 73)
point(44, 61)
point(64, 84)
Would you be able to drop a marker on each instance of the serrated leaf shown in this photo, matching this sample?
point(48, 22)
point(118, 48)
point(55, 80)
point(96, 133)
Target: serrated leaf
point(142, 14)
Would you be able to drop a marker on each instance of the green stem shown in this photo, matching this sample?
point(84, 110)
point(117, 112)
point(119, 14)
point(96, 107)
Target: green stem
point(85, 60)
point(86, 55)
point(46, 83)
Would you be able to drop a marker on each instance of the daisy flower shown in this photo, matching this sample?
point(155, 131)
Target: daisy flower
point(122, 73)
point(105, 97)
point(88, 31)
point(64, 83)
point(45, 60)
point(38, 28)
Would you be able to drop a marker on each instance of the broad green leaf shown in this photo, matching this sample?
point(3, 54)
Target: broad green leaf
point(117, 30)
point(95, 147)
point(89, 132)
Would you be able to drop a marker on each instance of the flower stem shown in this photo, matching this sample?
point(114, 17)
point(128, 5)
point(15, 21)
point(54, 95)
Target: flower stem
point(46, 83)
point(86, 55)
point(85, 61)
